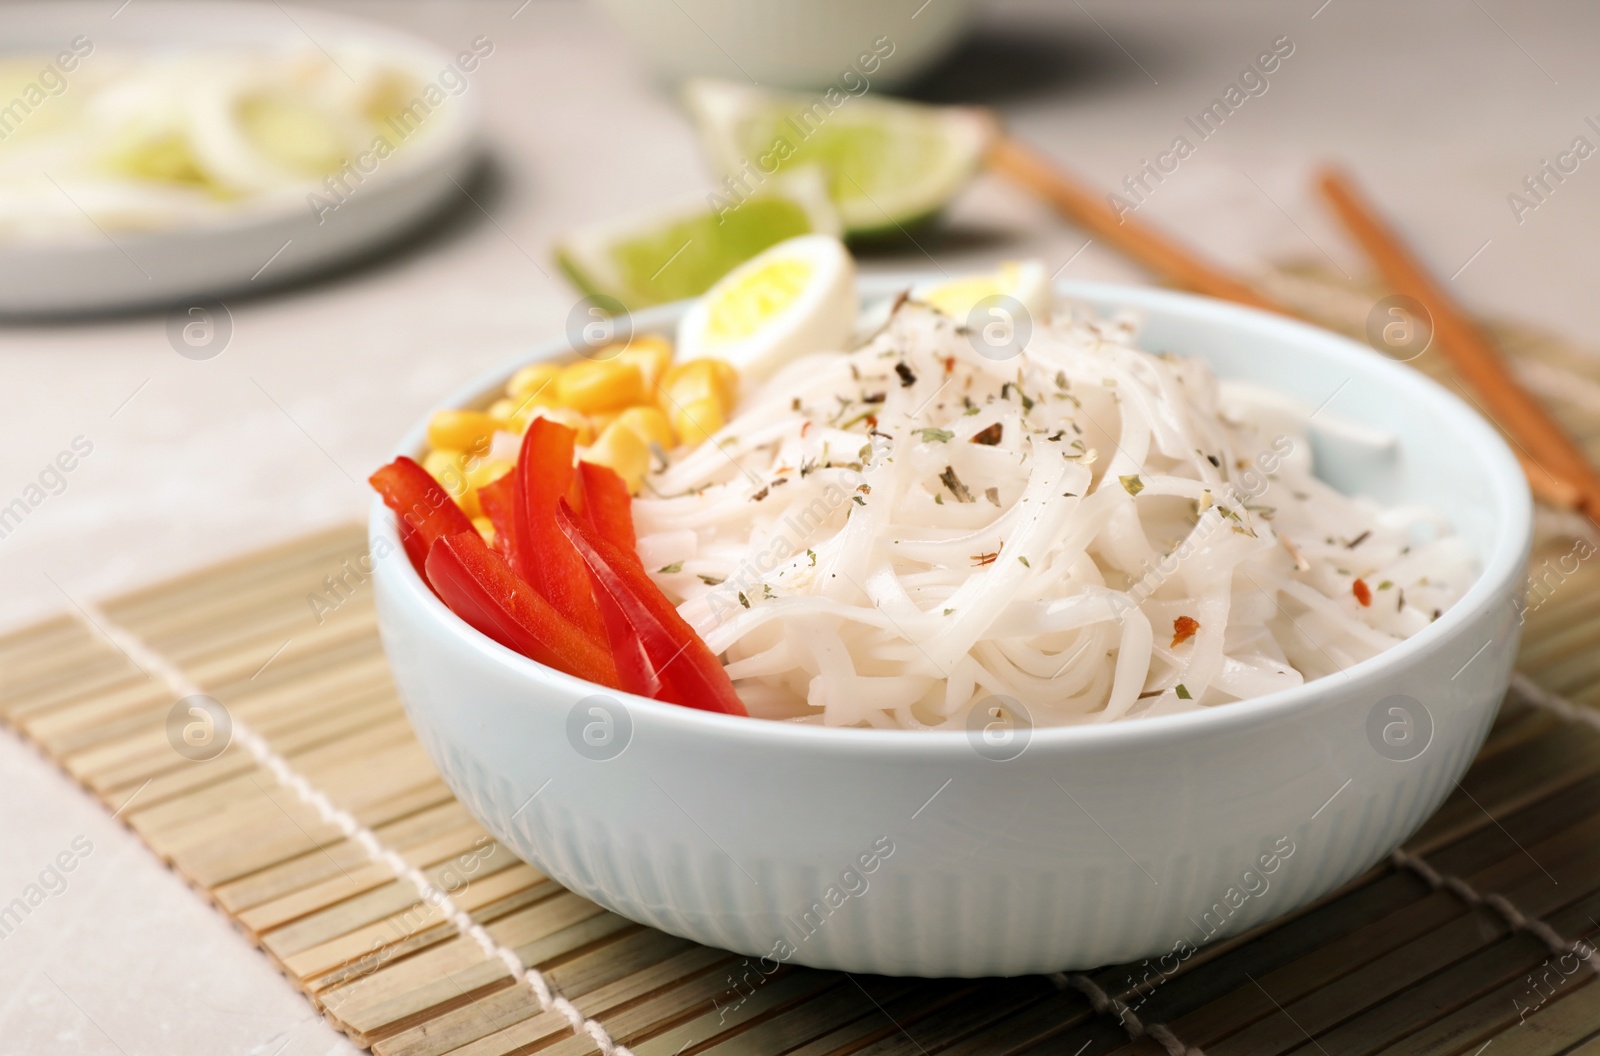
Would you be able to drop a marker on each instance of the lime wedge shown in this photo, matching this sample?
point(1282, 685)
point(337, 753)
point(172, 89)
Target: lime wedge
point(889, 164)
point(681, 250)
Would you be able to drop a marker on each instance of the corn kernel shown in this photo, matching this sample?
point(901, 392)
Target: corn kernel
point(520, 413)
point(591, 386)
point(446, 467)
point(570, 418)
point(652, 354)
point(700, 379)
point(471, 431)
point(536, 381)
point(727, 374)
point(624, 451)
point(504, 412)
point(452, 470)
point(651, 425)
point(488, 471)
point(697, 420)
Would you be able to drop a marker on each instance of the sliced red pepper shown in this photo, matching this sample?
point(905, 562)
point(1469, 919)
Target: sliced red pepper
point(575, 497)
point(423, 508)
point(634, 670)
point(478, 586)
point(607, 507)
point(604, 502)
point(689, 672)
point(541, 555)
point(498, 499)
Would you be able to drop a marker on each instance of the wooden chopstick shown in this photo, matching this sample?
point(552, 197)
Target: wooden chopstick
point(1542, 440)
point(1548, 489)
point(1088, 208)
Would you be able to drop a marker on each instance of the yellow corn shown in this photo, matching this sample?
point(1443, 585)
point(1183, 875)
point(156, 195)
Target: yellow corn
point(514, 415)
point(488, 471)
point(504, 411)
point(535, 383)
point(727, 374)
point(521, 412)
point(446, 467)
point(650, 424)
point(697, 420)
point(570, 418)
point(652, 354)
point(624, 451)
point(451, 470)
point(462, 431)
point(590, 386)
point(485, 528)
point(700, 379)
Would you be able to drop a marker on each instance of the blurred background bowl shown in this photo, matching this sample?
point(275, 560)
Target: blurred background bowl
point(805, 44)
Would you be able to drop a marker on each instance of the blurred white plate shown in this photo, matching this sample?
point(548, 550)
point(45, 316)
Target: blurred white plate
point(262, 244)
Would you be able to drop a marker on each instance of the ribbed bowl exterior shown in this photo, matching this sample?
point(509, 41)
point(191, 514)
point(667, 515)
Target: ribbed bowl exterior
point(1071, 855)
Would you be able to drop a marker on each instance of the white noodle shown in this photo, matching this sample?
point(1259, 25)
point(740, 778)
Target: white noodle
point(860, 560)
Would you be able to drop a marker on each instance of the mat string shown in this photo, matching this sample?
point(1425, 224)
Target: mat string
point(1106, 1005)
point(146, 658)
point(1533, 693)
point(1513, 916)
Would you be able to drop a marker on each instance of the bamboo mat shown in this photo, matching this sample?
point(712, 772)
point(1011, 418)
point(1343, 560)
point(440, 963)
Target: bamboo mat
point(321, 826)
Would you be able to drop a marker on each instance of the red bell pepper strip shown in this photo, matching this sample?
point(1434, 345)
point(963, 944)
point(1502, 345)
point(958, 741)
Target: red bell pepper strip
point(540, 554)
point(607, 507)
point(498, 499)
point(634, 670)
point(425, 511)
point(689, 672)
point(575, 497)
point(603, 501)
point(478, 586)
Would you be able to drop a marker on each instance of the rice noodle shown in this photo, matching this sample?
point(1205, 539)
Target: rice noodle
point(898, 535)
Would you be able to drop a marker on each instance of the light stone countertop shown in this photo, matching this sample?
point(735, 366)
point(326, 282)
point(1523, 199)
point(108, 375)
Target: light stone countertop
point(1443, 109)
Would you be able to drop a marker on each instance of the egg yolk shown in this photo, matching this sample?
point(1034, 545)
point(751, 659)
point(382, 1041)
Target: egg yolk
point(754, 299)
point(957, 298)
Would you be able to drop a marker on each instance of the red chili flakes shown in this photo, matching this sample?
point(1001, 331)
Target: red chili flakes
point(949, 364)
point(990, 436)
point(1362, 592)
point(1184, 628)
point(804, 429)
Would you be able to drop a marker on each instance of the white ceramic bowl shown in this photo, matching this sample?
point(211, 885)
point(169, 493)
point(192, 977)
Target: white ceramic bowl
point(915, 853)
point(264, 243)
point(805, 44)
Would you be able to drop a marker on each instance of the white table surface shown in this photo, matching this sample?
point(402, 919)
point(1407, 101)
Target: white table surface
point(1443, 108)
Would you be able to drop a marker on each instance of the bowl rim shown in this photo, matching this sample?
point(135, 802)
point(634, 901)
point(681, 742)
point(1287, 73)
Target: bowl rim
point(1509, 496)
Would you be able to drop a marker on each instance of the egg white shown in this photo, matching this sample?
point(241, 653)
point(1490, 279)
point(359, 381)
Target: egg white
point(820, 318)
